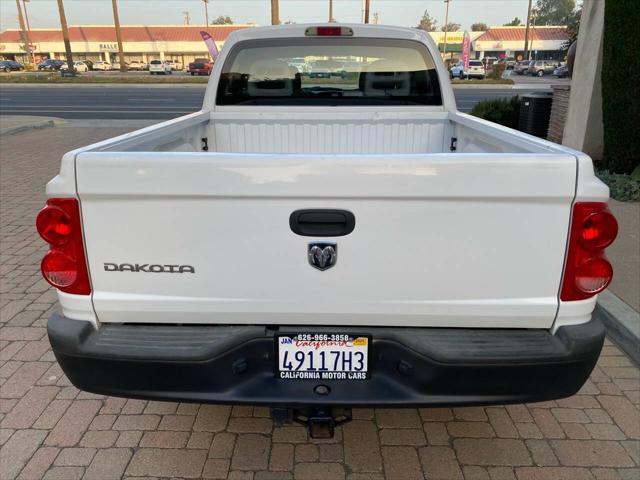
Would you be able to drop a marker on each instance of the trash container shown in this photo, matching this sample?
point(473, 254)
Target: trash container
point(535, 109)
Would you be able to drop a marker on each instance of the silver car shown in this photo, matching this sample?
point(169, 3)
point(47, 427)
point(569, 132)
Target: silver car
point(540, 68)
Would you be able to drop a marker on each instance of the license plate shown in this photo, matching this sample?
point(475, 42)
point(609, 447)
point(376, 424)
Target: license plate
point(322, 356)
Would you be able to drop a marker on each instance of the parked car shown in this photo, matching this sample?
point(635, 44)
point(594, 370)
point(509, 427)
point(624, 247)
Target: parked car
point(51, 64)
point(509, 62)
point(89, 64)
point(10, 65)
point(521, 67)
point(313, 245)
point(137, 65)
point(78, 66)
point(476, 70)
point(540, 68)
point(561, 72)
point(160, 67)
point(326, 69)
point(101, 65)
point(200, 66)
point(116, 66)
point(176, 65)
point(299, 64)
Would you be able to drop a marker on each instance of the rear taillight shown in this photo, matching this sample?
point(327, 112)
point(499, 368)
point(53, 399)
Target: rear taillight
point(64, 266)
point(587, 270)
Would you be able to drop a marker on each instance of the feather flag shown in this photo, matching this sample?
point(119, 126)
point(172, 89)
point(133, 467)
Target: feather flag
point(211, 45)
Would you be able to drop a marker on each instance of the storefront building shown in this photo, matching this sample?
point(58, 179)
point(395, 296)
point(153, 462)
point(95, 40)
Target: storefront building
point(545, 43)
point(184, 43)
point(93, 42)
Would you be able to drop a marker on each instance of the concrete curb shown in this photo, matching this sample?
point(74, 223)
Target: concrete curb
point(104, 85)
point(520, 86)
point(36, 124)
point(621, 322)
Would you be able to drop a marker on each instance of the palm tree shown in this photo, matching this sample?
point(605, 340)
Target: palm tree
point(65, 36)
point(116, 21)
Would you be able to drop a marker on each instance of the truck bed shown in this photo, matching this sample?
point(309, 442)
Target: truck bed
point(417, 206)
point(366, 132)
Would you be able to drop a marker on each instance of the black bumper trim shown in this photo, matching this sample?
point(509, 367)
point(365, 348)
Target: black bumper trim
point(408, 366)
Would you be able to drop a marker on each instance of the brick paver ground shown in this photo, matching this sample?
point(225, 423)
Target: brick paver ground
point(48, 429)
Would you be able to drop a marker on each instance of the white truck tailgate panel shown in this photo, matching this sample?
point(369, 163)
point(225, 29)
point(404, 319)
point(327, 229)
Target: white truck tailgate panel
point(465, 240)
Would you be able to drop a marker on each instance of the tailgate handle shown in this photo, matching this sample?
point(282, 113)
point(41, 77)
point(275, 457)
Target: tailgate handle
point(322, 222)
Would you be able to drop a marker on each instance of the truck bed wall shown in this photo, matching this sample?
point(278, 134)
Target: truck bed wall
point(325, 132)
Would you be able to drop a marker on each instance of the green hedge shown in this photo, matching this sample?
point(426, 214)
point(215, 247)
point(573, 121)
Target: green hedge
point(622, 187)
point(502, 110)
point(620, 77)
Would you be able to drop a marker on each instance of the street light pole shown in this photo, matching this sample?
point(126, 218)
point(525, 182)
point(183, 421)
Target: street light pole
point(65, 36)
point(330, 11)
point(367, 6)
point(446, 27)
point(526, 33)
point(116, 21)
point(206, 12)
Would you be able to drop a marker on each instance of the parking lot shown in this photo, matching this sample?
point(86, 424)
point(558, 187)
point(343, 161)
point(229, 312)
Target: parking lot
point(48, 429)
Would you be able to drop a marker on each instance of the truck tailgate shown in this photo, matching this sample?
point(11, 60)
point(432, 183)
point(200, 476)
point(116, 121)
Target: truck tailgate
point(466, 240)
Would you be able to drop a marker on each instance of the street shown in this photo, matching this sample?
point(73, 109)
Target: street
point(159, 102)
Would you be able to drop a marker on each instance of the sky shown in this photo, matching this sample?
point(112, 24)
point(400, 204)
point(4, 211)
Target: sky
point(44, 13)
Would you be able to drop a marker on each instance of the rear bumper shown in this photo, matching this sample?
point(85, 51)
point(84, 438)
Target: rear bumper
point(408, 366)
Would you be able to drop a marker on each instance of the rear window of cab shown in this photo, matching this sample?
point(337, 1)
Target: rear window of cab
point(329, 71)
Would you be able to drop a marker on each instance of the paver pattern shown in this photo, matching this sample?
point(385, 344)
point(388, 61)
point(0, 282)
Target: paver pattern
point(49, 429)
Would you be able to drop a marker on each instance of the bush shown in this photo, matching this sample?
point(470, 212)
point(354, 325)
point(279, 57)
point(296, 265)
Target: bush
point(496, 71)
point(620, 101)
point(625, 188)
point(503, 111)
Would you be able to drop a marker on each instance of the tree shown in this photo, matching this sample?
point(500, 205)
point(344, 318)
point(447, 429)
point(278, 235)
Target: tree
point(65, 35)
point(573, 25)
point(479, 27)
point(116, 22)
point(451, 27)
point(516, 22)
point(554, 12)
point(427, 23)
point(222, 20)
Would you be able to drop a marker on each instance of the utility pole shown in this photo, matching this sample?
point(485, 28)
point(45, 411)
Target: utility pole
point(526, 33)
point(330, 11)
point(206, 12)
point(26, 17)
point(24, 36)
point(367, 6)
point(116, 21)
point(446, 27)
point(65, 36)
point(275, 12)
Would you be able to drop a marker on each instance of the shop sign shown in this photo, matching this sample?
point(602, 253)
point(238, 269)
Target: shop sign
point(108, 47)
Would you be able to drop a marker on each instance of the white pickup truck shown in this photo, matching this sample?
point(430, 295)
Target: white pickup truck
point(315, 244)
